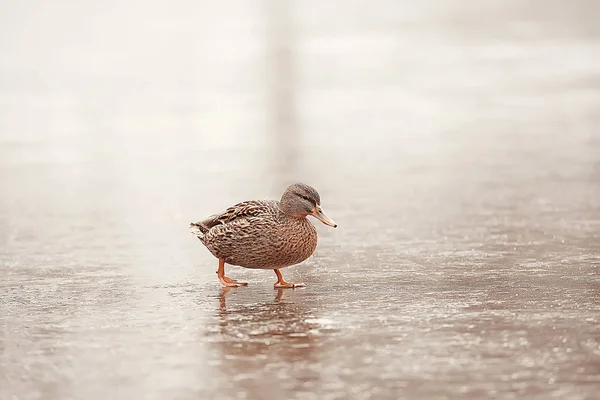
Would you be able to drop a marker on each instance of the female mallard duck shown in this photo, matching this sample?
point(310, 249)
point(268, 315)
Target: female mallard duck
point(264, 234)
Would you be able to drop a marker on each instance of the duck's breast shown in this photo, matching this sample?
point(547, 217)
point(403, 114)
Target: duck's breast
point(299, 242)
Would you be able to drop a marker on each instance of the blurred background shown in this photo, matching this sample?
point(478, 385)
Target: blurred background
point(454, 142)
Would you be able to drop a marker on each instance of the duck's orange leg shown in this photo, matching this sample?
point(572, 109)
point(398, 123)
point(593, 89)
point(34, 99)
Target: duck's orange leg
point(282, 284)
point(225, 281)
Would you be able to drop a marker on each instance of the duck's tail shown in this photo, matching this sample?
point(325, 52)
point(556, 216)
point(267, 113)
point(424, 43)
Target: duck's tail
point(198, 229)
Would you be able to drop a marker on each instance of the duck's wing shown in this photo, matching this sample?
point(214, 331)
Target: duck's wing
point(244, 210)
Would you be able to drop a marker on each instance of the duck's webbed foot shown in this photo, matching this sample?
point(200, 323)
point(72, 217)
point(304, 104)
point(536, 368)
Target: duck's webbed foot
point(228, 282)
point(282, 284)
point(225, 281)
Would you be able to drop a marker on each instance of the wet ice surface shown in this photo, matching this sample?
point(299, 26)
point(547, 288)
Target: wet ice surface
point(456, 147)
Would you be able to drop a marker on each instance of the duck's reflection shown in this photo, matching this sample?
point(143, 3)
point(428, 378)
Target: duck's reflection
point(223, 304)
point(248, 325)
point(252, 340)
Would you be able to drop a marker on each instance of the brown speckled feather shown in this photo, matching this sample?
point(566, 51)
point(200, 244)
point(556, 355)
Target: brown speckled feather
point(257, 234)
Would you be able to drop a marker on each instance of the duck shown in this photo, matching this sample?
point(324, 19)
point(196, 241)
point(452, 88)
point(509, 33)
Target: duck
point(264, 234)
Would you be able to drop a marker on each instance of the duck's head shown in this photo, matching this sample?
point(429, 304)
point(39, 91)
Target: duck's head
point(300, 200)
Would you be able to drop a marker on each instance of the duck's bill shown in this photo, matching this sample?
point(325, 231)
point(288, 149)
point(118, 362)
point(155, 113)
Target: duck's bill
point(321, 216)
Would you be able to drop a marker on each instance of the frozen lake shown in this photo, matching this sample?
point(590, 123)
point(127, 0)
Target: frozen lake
point(455, 143)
